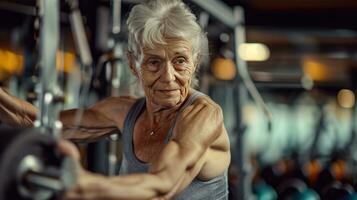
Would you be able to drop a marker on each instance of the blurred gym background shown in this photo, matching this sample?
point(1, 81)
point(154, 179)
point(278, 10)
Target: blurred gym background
point(300, 54)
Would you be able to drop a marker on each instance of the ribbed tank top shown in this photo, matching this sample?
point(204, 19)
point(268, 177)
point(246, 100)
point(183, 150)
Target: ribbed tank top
point(214, 189)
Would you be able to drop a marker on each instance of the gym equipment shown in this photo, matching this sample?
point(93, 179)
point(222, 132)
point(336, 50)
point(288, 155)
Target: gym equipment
point(352, 197)
point(82, 47)
point(30, 165)
point(264, 191)
point(111, 63)
point(117, 65)
point(291, 187)
point(307, 194)
point(273, 173)
point(31, 168)
point(79, 35)
point(296, 189)
point(337, 190)
point(49, 92)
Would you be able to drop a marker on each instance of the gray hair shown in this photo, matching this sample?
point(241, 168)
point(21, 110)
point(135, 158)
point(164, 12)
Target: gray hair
point(151, 22)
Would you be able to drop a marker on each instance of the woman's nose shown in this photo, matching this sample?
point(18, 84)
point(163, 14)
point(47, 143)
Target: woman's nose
point(168, 73)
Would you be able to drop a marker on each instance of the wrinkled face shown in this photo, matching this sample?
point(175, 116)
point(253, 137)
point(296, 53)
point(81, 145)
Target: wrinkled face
point(166, 72)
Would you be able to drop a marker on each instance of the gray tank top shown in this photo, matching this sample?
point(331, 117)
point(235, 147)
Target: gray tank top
point(214, 189)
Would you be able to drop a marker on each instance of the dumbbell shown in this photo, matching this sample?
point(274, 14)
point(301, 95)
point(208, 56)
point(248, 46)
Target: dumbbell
point(264, 191)
point(296, 189)
point(274, 174)
point(351, 197)
point(290, 187)
point(337, 190)
point(307, 194)
point(31, 167)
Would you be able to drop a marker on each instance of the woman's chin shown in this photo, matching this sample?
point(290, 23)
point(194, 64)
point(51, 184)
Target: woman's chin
point(168, 102)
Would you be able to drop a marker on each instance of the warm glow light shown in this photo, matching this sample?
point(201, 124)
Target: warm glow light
point(346, 98)
point(339, 167)
point(254, 52)
point(65, 61)
point(315, 70)
point(10, 64)
point(223, 69)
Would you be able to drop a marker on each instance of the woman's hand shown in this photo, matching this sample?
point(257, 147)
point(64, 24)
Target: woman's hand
point(85, 180)
point(70, 150)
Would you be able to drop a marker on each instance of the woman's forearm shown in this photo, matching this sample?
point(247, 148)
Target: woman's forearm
point(95, 186)
point(90, 126)
point(16, 112)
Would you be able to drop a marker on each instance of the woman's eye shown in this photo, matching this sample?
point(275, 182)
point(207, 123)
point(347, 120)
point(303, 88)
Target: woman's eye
point(180, 62)
point(153, 65)
point(154, 62)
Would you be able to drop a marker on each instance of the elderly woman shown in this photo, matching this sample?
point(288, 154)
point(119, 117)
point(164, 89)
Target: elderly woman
point(175, 142)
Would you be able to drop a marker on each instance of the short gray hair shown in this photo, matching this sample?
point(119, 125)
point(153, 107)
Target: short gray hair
point(151, 22)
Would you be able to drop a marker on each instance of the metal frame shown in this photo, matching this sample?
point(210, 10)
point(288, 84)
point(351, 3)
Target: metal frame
point(49, 92)
point(219, 10)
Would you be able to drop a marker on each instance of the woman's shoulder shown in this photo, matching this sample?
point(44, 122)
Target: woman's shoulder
point(205, 101)
point(203, 104)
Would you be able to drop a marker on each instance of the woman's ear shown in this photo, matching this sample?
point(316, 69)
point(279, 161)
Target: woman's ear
point(131, 62)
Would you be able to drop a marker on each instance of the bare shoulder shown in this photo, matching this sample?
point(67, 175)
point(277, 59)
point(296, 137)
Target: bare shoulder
point(204, 104)
point(208, 102)
point(115, 108)
point(200, 123)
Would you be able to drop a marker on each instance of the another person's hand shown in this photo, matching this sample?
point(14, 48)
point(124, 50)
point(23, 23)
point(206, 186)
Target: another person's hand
point(16, 112)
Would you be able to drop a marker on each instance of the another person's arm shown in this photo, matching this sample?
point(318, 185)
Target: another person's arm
point(178, 164)
point(15, 111)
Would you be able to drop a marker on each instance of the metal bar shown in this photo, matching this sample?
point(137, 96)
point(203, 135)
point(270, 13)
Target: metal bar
point(240, 38)
point(116, 70)
point(112, 154)
point(218, 10)
point(116, 19)
point(79, 34)
point(49, 34)
point(44, 181)
point(243, 164)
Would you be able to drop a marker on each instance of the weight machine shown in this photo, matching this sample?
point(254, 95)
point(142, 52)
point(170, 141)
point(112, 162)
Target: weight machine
point(31, 166)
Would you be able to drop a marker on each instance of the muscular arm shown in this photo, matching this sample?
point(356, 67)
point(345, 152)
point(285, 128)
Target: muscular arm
point(177, 165)
point(102, 119)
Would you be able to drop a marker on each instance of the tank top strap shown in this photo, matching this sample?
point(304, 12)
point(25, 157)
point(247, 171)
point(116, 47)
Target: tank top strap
point(188, 102)
point(131, 118)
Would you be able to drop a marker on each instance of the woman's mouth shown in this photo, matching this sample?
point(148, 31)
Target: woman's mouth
point(169, 91)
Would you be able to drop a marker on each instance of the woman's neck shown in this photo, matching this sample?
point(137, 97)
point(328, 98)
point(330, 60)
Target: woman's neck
point(156, 113)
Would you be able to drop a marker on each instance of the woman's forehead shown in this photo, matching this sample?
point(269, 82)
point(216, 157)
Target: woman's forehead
point(173, 45)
